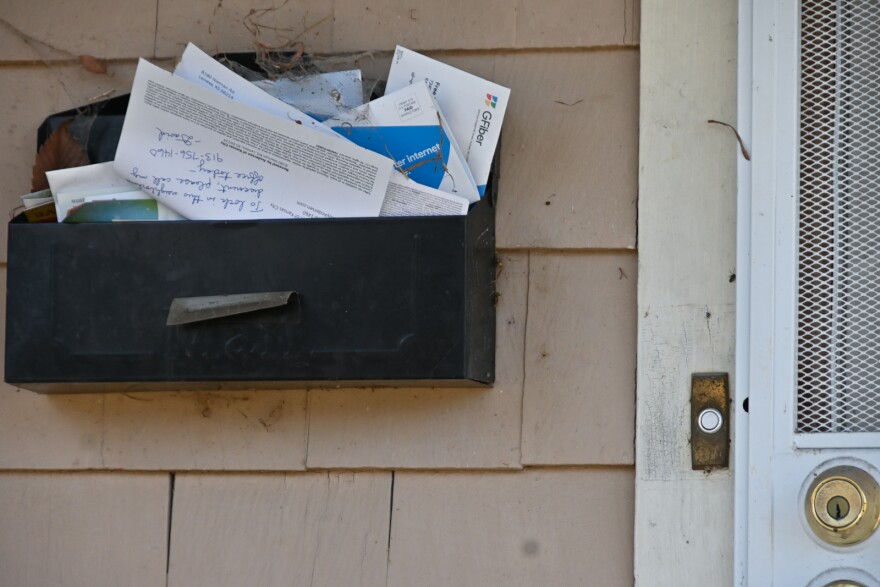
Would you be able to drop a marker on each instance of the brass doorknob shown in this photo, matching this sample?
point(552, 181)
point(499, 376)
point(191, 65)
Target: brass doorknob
point(843, 507)
point(844, 584)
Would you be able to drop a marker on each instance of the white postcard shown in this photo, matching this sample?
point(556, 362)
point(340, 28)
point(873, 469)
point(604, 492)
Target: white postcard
point(473, 106)
point(200, 68)
point(407, 126)
point(210, 158)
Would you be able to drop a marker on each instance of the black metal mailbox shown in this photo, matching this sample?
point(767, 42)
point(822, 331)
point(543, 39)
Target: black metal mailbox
point(379, 301)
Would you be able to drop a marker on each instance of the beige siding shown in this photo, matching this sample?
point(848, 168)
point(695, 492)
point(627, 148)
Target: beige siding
point(580, 373)
point(527, 482)
point(513, 529)
point(317, 529)
point(197, 431)
point(217, 26)
point(577, 23)
point(83, 529)
point(569, 164)
point(375, 25)
point(50, 29)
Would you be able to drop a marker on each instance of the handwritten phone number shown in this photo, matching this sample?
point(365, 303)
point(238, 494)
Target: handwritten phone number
point(185, 155)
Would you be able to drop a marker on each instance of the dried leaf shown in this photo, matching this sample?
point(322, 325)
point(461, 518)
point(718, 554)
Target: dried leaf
point(60, 151)
point(93, 64)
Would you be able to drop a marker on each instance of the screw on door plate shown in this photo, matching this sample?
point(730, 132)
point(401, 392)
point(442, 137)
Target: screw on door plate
point(710, 420)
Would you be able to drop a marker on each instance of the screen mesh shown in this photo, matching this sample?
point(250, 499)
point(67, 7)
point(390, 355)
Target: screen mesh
point(838, 369)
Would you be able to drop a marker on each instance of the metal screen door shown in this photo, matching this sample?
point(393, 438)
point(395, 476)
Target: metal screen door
point(838, 383)
point(810, 468)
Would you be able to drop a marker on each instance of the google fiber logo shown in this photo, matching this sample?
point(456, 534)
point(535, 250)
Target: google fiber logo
point(491, 100)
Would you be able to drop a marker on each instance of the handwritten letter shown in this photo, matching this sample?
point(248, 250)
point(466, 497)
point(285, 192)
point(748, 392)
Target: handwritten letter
point(210, 158)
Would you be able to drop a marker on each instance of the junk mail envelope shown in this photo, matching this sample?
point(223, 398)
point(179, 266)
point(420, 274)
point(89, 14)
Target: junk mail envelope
point(202, 69)
point(322, 95)
point(474, 107)
point(407, 126)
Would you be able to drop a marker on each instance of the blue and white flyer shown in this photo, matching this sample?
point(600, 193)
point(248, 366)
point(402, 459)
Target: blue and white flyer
point(408, 127)
point(473, 106)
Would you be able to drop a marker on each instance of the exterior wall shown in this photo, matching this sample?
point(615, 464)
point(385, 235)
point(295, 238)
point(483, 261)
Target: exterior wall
point(528, 483)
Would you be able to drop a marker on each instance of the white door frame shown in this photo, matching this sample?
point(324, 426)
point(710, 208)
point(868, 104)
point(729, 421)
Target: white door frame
point(687, 287)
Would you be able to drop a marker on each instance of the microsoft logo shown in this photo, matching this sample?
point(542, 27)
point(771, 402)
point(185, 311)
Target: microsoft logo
point(491, 100)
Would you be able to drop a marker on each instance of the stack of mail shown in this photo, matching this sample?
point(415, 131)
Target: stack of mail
point(203, 143)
